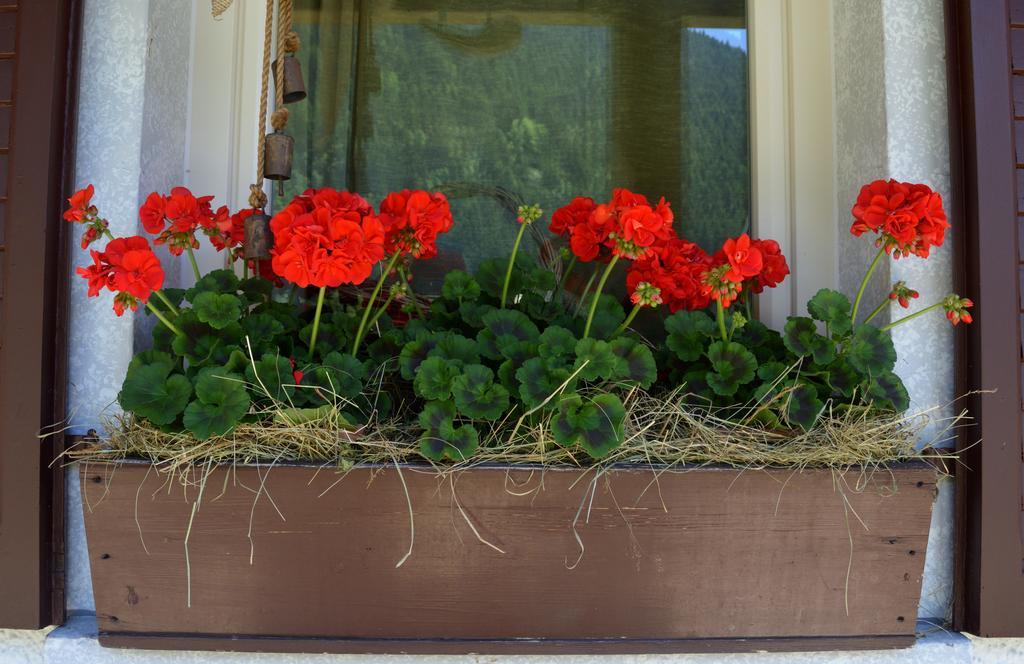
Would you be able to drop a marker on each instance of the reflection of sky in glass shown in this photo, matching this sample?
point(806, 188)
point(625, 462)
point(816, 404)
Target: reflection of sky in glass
point(735, 37)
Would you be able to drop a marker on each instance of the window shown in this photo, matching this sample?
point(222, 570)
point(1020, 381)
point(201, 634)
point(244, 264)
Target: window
point(504, 102)
point(778, 165)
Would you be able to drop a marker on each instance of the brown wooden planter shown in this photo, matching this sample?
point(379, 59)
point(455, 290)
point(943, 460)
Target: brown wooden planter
point(708, 559)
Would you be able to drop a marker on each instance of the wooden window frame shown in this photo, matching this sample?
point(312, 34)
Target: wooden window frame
point(989, 593)
point(33, 320)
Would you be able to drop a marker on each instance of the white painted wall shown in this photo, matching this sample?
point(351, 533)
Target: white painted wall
point(135, 124)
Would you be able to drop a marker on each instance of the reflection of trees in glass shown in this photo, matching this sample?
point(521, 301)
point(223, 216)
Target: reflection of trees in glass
point(530, 117)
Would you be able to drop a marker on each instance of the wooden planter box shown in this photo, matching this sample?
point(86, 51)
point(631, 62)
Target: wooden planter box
point(707, 559)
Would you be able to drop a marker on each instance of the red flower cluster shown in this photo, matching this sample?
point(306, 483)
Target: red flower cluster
point(676, 268)
point(127, 267)
point(82, 211)
point(228, 232)
point(908, 218)
point(174, 219)
point(412, 220)
point(956, 309)
point(744, 263)
point(326, 237)
point(627, 226)
point(903, 294)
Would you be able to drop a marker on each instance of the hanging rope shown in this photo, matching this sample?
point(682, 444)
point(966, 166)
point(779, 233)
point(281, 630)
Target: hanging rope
point(220, 6)
point(257, 198)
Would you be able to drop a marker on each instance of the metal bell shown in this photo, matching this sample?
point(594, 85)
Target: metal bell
point(294, 85)
point(277, 157)
point(257, 237)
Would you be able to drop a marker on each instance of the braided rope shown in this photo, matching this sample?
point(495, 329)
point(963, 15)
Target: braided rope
point(220, 6)
point(257, 198)
point(284, 26)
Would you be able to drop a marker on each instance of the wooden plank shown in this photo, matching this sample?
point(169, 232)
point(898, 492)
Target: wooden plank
point(710, 553)
point(495, 647)
point(1017, 49)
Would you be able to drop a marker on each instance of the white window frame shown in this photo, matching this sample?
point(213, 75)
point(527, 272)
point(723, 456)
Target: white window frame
point(792, 130)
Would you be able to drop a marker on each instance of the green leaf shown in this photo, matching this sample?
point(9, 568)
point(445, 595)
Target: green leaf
point(803, 406)
point(435, 414)
point(476, 394)
point(843, 378)
point(256, 289)
point(454, 443)
point(490, 275)
point(339, 376)
point(434, 378)
point(556, 343)
point(595, 360)
point(217, 310)
point(688, 333)
point(539, 379)
point(636, 362)
point(502, 329)
point(458, 285)
point(151, 391)
point(507, 377)
point(889, 392)
point(453, 346)
point(871, 351)
point(217, 281)
point(596, 424)
point(261, 328)
point(472, 313)
point(732, 366)
point(274, 374)
point(384, 350)
point(771, 371)
point(414, 352)
point(832, 308)
point(221, 402)
point(441, 438)
point(801, 337)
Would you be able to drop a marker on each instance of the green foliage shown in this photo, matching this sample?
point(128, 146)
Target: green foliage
point(688, 333)
point(832, 308)
point(803, 406)
point(801, 338)
point(271, 378)
point(595, 423)
point(221, 402)
point(217, 310)
point(595, 360)
point(434, 378)
point(459, 286)
point(476, 394)
point(871, 351)
point(635, 363)
point(152, 391)
point(732, 365)
point(442, 438)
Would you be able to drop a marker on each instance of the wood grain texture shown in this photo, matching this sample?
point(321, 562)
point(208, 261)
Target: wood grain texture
point(706, 554)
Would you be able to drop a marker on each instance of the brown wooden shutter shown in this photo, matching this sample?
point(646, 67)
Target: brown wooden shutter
point(35, 66)
point(987, 81)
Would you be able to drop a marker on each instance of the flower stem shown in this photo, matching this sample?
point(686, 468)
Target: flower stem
point(565, 274)
point(879, 309)
point(511, 263)
point(373, 297)
point(864, 285)
point(245, 268)
point(629, 319)
point(586, 290)
point(316, 321)
point(721, 320)
point(380, 312)
point(163, 319)
point(597, 294)
point(911, 316)
point(411, 294)
point(195, 265)
point(170, 305)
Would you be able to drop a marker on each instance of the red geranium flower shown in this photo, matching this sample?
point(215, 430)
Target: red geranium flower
point(676, 268)
point(413, 219)
point(566, 218)
point(774, 267)
point(326, 238)
point(744, 258)
point(127, 267)
point(79, 205)
point(82, 211)
point(175, 218)
point(228, 231)
point(909, 218)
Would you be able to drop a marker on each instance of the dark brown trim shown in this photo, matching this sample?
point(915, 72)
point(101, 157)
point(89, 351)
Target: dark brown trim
point(263, 643)
point(990, 588)
point(31, 329)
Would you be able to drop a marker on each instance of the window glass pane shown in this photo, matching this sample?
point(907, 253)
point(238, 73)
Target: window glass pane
point(502, 102)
